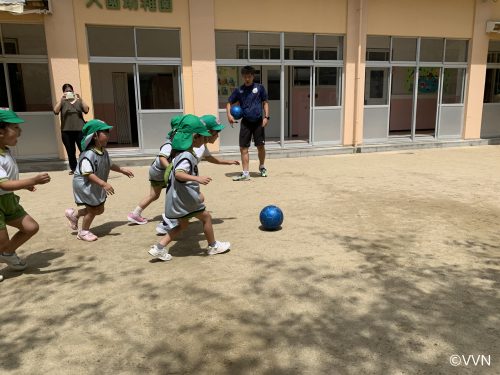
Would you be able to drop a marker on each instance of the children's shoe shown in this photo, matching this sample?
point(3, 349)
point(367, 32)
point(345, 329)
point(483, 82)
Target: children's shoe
point(73, 220)
point(218, 248)
point(87, 236)
point(161, 254)
point(166, 225)
point(241, 177)
point(136, 219)
point(263, 172)
point(13, 261)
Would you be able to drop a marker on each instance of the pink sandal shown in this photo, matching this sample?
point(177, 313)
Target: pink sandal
point(73, 220)
point(86, 235)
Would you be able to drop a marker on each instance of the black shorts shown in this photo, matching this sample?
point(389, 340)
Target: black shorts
point(249, 129)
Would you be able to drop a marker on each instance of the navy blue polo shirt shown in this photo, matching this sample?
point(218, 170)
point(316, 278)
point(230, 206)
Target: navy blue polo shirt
point(250, 99)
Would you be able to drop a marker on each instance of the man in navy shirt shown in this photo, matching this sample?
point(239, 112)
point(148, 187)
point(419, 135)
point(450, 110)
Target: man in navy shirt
point(252, 98)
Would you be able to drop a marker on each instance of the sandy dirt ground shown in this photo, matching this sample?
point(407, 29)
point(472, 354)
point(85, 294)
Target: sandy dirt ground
point(387, 263)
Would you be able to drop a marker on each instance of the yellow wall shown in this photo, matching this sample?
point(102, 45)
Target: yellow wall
point(318, 16)
point(439, 18)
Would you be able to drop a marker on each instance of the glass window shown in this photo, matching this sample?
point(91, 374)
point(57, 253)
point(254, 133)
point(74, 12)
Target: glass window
point(23, 39)
point(456, 50)
point(301, 45)
point(404, 49)
point(453, 86)
point(377, 48)
point(261, 43)
point(494, 52)
point(228, 44)
point(431, 49)
point(111, 41)
point(4, 101)
point(30, 87)
point(492, 86)
point(273, 83)
point(158, 43)
point(159, 87)
point(228, 78)
point(329, 47)
point(376, 84)
point(327, 89)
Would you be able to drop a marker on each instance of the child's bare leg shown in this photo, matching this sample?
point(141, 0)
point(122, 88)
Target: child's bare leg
point(91, 213)
point(81, 212)
point(154, 194)
point(208, 229)
point(170, 236)
point(27, 226)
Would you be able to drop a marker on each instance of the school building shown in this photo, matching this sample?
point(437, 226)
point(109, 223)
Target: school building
point(339, 73)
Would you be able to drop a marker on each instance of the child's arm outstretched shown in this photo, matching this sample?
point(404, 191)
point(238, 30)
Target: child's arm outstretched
point(125, 171)
point(25, 183)
point(183, 176)
point(212, 159)
point(96, 180)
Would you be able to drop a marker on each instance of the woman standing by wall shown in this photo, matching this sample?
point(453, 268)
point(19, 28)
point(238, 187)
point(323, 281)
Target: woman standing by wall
point(71, 107)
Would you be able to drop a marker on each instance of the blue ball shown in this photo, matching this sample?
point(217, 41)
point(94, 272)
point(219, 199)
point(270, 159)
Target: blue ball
point(271, 217)
point(236, 112)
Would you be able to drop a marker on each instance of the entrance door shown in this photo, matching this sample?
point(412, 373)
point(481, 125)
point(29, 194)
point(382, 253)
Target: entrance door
point(270, 77)
point(113, 92)
point(402, 89)
point(300, 103)
point(427, 101)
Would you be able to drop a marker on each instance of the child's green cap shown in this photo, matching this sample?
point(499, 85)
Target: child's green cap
point(174, 122)
point(212, 123)
point(6, 115)
point(188, 125)
point(91, 127)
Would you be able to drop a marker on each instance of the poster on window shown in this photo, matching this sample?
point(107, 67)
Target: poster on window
point(227, 80)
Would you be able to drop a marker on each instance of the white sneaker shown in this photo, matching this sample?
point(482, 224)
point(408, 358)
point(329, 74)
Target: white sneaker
point(161, 254)
point(218, 248)
point(13, 261)
point(166, 225)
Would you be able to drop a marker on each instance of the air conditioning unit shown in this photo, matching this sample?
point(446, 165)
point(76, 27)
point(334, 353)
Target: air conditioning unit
point(493, 27)
point(25, 6)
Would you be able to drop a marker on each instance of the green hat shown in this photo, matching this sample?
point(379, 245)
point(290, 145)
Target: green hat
point(212, 123)
point(174, 123)
point(90, 128)
point(6, 115)
point(188, 125)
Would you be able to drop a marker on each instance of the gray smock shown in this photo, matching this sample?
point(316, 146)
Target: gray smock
point(156, 170)
point(86, 192)
point(183, 198)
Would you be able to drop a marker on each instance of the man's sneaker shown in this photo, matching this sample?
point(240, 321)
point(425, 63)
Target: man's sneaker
point(13, 261)
point(73, 220)
point(218, 248)
point(241, 177)
point(161, 254)
point(263, 172)
point(136, 219)
point(86, 236)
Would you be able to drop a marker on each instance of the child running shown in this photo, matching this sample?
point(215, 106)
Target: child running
point(90, 186)
point(183, 189)
point(11, 212)
point(214, 127)
point(156, 177)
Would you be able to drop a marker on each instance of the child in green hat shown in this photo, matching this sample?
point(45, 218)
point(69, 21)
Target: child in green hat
point(156, 176)
point(90, 186)
point(11, 212)
point(183, 189)
point(214, 127)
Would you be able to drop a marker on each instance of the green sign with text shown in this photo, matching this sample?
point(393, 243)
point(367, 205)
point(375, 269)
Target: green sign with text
point(147, 5)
